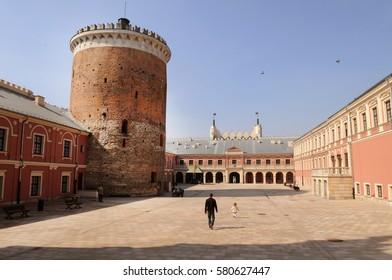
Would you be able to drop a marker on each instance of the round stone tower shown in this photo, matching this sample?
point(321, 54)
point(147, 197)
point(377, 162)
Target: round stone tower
point(118, 92)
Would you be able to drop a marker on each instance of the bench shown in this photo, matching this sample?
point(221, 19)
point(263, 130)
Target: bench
point(72, 201)
point(17, 208)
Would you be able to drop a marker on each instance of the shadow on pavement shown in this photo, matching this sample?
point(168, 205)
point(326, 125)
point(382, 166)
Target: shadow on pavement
point(309, 250)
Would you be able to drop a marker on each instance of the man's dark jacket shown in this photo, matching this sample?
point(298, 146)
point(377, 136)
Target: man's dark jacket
point(210, 205)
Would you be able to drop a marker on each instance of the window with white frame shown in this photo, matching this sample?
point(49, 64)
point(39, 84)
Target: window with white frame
point(38, 148)
point(358, 188)
point(388, 109)
point(379, 191)
point(355, 126)
point(65, 182)
point(375, 116)
point(2, 176)
point(35, 184)
point(367, 187)
point(67, 148)
point(364, 121)
point(3, 139)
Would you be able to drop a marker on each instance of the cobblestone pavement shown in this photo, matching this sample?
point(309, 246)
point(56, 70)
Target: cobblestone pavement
point(274, 222)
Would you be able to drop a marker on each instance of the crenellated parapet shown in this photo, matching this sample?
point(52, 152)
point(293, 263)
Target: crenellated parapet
point(16, 88)
point(121, 34)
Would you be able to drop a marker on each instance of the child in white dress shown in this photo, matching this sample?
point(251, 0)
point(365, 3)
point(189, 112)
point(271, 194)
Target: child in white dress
point(234, 209)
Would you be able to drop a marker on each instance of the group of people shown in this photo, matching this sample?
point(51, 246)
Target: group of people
point(211, 206)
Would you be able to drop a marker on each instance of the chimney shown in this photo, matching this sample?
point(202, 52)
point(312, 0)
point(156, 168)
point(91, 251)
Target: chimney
point(40, 100)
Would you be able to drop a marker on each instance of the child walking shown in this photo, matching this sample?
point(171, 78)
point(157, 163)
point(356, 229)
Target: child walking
point(234, 209)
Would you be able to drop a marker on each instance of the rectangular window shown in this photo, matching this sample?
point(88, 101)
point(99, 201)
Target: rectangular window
point(3, 139)
point(181, 162)
point(65, 184)
point(258, 161)
point(249, 161)
point(358, 188)
point(268, 161)
point(379, 191)
point(38, 144)
point(345, 130)
point(339, 135)
point(234, 161)
point(388, 110)
point(81, 148)
point(333, 135)
point(200, 162)
point(219, 162)
point(375, 117)
point(367, 189)
point(67, 148)
point(277, 161)
point(355, 125)
point(364, 121)
point(191, 162)
point(210, 162)
point(287, 161)
point(35, 187)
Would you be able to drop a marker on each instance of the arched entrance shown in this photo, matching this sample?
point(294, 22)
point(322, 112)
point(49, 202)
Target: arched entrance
point(209, 177)
point(279, 178)
point(289, 178)
point(249, 177)
point(234, 178)
point(219, 177)
point(269, 178)
point(259, 177)
point(179, 178)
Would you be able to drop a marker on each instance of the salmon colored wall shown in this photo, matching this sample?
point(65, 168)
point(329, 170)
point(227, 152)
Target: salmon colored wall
point(372, 161)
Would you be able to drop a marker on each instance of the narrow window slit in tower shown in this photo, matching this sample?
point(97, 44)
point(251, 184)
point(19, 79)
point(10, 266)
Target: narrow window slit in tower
point(105, 80)
point(123, 143)
point(136, 94)
point(124, 127)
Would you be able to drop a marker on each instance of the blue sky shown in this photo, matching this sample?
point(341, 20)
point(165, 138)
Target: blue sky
point(219, 49)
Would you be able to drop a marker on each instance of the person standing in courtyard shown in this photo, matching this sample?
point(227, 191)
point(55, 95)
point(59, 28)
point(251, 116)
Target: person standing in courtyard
point(100, 193)
point(235, 209)
point(210, 208)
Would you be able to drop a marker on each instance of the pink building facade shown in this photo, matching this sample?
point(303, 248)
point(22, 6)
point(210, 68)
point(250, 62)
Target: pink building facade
point(42, 151)
point(348, 155)
point(231, 158)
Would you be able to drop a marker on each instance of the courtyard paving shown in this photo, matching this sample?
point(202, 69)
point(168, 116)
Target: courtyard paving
point(274, 222)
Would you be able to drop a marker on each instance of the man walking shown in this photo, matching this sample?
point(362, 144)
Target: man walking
point(211, 207)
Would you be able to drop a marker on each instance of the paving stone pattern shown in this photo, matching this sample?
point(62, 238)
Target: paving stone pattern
point(274, 223)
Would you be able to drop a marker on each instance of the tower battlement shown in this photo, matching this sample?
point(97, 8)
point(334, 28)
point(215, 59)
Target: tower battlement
point(120, 34)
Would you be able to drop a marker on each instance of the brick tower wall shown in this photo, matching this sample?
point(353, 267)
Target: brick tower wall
point(119, 93)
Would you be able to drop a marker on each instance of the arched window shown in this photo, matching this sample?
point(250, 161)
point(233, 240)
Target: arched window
point(124, 127)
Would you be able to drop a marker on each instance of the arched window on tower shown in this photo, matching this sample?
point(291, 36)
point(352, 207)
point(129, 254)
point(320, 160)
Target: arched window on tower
point(124, 127)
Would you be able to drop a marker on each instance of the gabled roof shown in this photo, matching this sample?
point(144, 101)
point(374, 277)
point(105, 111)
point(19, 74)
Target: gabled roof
point(26, 105)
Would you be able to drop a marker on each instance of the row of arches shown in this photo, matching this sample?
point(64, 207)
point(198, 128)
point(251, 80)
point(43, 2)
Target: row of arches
point(235, 177)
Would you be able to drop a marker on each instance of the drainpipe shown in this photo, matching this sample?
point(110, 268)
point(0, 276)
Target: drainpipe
point(18, 189)
point(76, 163)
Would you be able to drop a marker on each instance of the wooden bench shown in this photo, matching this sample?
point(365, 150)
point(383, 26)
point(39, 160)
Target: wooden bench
point(17, 208)
point(72, 201)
